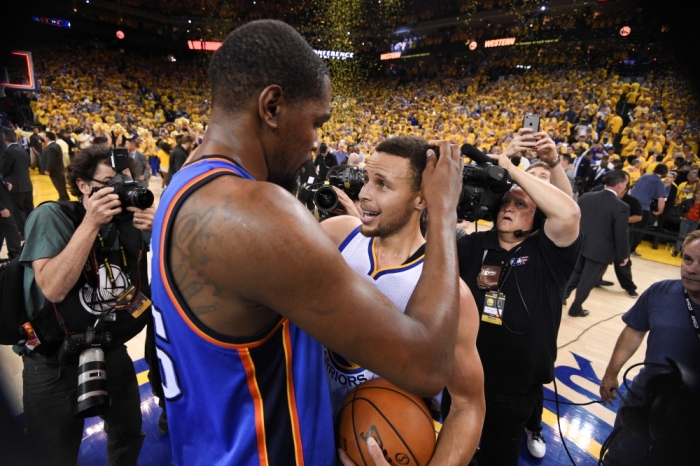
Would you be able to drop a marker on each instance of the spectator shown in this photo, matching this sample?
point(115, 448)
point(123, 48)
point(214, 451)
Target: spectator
point(690, 216)
point(671, 194)
point(651, 192)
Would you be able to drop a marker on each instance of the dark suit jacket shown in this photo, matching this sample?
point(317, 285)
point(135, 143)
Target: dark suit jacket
point(52, 160)
point(14, 167)
point(177, 160)
point(5, 201)
point(604, 223)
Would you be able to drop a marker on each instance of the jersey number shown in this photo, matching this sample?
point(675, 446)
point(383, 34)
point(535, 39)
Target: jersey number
point(171, 382)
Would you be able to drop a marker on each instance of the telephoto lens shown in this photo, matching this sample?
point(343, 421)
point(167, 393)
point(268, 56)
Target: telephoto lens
point(93, 398)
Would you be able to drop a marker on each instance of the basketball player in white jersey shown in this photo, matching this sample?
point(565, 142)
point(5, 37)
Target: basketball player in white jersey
point(385, 246)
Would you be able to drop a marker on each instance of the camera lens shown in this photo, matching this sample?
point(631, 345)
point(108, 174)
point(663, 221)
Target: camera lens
point(93, 398)
point(138, 197)
point(326, 199)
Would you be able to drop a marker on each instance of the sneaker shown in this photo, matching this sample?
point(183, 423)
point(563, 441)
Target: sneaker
point(163, 423)
point(536, 444)
point(635, 254)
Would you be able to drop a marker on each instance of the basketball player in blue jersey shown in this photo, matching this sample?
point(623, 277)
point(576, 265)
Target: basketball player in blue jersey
point(385, 247)
point(241, 312)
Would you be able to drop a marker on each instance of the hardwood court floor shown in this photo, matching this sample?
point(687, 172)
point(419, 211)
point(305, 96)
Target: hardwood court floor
point(581, 362)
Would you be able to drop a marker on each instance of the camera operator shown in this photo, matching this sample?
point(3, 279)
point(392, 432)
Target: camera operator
point(518, 273)
point(83, 256)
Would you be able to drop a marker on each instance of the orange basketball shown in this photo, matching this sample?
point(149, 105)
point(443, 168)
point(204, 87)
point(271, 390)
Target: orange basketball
point(399, 422)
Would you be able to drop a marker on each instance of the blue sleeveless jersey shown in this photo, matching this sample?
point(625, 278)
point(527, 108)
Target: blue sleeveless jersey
point(252, 401)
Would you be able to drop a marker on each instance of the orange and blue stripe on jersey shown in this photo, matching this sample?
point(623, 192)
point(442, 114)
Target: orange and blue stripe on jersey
point(252, 401)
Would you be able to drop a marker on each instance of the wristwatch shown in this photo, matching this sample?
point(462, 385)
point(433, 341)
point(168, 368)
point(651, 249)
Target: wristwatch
point(554, 164)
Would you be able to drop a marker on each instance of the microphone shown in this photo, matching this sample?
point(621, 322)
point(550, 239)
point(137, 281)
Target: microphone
point(521, 233)
point(475, 154)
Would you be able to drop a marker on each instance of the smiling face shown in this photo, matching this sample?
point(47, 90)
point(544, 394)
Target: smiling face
point(389, 201)
point(517, 212)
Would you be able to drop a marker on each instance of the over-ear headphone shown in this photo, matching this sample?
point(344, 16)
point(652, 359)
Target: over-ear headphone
point(537, 223)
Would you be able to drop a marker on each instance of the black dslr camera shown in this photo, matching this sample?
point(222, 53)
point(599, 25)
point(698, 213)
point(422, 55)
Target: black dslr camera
point(77, 342)
point(349, 179)
point(483, 187)
point(130, 192)
point(93, 398)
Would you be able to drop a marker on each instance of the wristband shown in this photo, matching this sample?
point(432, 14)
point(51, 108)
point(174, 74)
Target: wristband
point(554, 164)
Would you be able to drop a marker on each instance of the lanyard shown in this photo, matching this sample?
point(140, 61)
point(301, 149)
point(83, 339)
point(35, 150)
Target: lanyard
point(693, 316)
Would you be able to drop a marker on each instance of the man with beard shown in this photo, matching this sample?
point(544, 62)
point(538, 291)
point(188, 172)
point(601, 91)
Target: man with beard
point(382, 242)
point(240, 312)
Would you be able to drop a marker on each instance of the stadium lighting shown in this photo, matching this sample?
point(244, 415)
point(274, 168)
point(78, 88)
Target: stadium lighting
point(189, 21)
point(543, 8)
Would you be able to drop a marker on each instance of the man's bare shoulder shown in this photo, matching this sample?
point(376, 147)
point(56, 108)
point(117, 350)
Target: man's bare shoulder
point(338, 228)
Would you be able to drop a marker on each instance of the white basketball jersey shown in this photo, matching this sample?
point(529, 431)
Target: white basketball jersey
point(396, 282)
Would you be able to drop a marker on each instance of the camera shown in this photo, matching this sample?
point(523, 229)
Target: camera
point(349, 179)
point(483, 187)
point(93, 398)
point(130, 192)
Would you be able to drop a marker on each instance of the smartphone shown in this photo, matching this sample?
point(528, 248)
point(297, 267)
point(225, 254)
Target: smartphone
point(532, 122)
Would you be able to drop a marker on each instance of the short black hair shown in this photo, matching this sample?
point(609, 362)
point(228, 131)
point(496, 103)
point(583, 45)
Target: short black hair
point(661, 169)
point(51, 135)
point(260, 54)
point(9, 135)
point(414, 149)
point(615, 177)
point(323, 148)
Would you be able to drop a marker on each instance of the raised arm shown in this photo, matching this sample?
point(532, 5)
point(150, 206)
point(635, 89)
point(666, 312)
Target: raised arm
point(563, 214)
point(546, 150)
point(460, 433)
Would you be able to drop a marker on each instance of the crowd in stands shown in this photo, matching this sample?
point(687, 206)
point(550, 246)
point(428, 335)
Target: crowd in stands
point(631, 123)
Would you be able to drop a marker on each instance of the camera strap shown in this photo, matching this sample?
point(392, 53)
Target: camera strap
point(61, 322)
point(693, 316)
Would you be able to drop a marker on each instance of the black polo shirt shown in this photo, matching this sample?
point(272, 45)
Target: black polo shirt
point(534, 276)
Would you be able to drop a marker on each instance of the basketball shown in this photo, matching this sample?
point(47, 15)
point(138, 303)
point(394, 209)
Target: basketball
point(399, 422)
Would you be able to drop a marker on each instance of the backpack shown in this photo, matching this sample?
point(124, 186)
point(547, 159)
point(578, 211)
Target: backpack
point(13, 313)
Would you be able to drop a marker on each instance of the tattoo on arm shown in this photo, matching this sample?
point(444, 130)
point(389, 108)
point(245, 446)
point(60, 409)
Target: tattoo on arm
point(194, 226)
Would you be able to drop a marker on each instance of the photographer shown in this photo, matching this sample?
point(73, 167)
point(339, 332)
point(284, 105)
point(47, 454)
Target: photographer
point(518, 273)
point(83, 256)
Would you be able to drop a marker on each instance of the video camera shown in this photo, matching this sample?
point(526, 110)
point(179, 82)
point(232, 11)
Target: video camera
point(483, 186)
point(130, 192)
point(349, 179)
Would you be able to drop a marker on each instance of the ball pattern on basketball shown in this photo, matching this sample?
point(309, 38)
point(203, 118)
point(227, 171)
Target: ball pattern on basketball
point(399, 422)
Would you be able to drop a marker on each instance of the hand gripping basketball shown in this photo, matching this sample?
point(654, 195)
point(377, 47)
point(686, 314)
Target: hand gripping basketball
point(399, 423)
